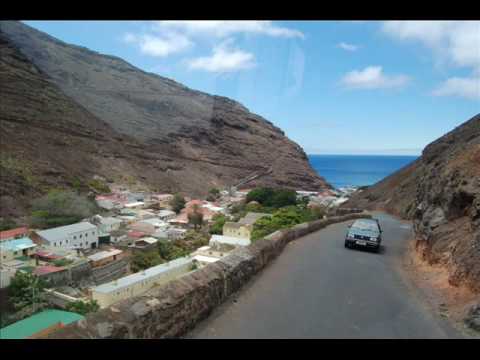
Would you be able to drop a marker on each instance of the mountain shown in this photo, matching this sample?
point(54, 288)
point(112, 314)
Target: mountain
point(440, 192)
point(69, 113)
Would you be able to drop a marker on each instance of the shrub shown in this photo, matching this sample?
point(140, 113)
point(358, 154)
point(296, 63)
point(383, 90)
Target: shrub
point(83, 307)
point(170, 251)
point(269, 197)
point(99, 186)
point(143, 260)
point(59, 208)
point(217, 226)
point(62, 262)
point(25, 289)
point(177, 203)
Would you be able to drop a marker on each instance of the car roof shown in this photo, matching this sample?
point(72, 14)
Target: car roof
point(365, 225)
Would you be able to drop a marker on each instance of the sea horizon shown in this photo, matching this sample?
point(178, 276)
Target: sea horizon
point(343, 170)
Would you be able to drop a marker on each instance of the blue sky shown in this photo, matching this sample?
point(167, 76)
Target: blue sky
point(334, 87)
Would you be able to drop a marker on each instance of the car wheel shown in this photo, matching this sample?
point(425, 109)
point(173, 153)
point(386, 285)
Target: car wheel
point(347, 245)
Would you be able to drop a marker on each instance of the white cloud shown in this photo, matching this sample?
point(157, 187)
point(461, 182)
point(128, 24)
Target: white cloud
point(463, 87)
point(347, 47)
point(227, 28)
point(160, 46)
point(459, 41)
point(224, 59)
point(372, 77)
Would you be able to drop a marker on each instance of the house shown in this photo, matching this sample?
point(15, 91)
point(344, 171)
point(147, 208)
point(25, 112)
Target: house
point(219, 240)
point(39, 325)
point(134, 205)
point(83, 235)
point(10, 249)
point(157, 223)
point(166, 215)
point(138, 283)
point(104, 257)
point(13, 233)
point(244, 227)
point(176, 233)
point(163, 200)
point(106, 225)
point(143, 227)
point(135, 234)
point(144, 214)
point(145, 242)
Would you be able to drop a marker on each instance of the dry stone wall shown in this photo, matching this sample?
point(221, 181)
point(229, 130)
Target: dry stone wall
point(173, 309)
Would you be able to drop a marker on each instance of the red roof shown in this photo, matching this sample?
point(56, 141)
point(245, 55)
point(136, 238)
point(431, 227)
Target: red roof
point(9, 234)
point(135, 234)
point(47, 269)
point(48, 255)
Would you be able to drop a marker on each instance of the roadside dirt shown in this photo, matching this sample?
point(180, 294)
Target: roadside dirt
point(445, 300)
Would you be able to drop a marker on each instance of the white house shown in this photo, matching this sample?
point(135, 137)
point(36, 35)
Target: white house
point(138, 283)
point(166, 215)
point(81, 235)
point(107, 224)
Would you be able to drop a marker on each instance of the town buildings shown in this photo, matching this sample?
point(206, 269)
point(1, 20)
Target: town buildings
point(83, 235)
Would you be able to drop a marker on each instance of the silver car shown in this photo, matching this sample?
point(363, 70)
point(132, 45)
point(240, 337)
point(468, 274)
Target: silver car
point(365, 233)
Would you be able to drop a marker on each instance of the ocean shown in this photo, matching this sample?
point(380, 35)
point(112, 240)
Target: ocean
point(357, 170)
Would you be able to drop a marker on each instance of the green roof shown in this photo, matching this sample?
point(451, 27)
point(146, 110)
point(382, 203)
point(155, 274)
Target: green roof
point(38, 322)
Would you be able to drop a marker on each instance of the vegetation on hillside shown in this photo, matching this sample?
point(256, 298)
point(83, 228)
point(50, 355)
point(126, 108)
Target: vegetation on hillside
point(270, 197)
point(58, 208)
point(217, 226)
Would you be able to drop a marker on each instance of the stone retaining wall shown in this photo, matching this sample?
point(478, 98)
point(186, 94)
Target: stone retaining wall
point(175, 308)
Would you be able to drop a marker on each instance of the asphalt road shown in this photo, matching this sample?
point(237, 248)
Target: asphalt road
point(318, 289)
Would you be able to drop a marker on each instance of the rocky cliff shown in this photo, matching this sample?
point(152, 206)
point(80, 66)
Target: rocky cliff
point(440, 192)
point(69, 113)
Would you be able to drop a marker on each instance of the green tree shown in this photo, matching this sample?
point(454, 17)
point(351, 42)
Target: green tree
point(170, 251)
point(83, 307)
point(217, 226)
point(195, 217)
point(142, 260)
point(25, 289)
point(269, 197)
point(177, 203)
point(213, 194)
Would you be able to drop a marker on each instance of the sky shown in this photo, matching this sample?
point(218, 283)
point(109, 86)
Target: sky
point(334, 87)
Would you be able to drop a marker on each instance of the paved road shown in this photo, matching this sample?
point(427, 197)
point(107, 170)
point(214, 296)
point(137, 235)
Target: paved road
point(318, 289)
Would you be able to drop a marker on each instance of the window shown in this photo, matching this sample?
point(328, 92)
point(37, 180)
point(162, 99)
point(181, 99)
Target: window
point(80, 236)
point(74, 237)
point(15, 252)
point(54, 244)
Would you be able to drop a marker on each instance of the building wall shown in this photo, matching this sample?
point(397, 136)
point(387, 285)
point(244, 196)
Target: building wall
point(243, 232)
point(8, 255)
point(141, 286)
point(79, 239)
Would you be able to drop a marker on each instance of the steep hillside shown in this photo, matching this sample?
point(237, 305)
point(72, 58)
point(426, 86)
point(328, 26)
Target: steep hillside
point(440, 192)
point(68, 112)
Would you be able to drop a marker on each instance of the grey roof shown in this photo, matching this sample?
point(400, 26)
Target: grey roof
point(59, 233)
point(110, 221)
point(142, 275)
point(251, 217)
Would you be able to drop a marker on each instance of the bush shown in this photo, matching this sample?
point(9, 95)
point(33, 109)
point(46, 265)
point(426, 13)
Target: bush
point(143, 260)
point(99, 186)
point(62, 262)
point(25, 289)
point(281, 219)
point(177, 203)
point(269, 197)
point(82, 307)
point(59, 208)
point(217, 226)
point(169, 251)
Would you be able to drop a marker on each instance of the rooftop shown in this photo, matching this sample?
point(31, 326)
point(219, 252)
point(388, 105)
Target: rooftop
point(59, 233)
point(134, 204)
point(38, 322)
point(7, 234)
point(251, 217)
point(47, 269)
point(17, 244)
point(110, 221)
point(104, 254)
point(134, 278)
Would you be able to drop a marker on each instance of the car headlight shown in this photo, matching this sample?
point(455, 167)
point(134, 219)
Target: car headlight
point(373, 239)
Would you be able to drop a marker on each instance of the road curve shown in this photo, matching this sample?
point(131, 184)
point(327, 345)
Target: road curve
point(318, 289)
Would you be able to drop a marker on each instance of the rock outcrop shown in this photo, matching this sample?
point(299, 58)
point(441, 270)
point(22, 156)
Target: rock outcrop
point(440, 192)
point(168, 136)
